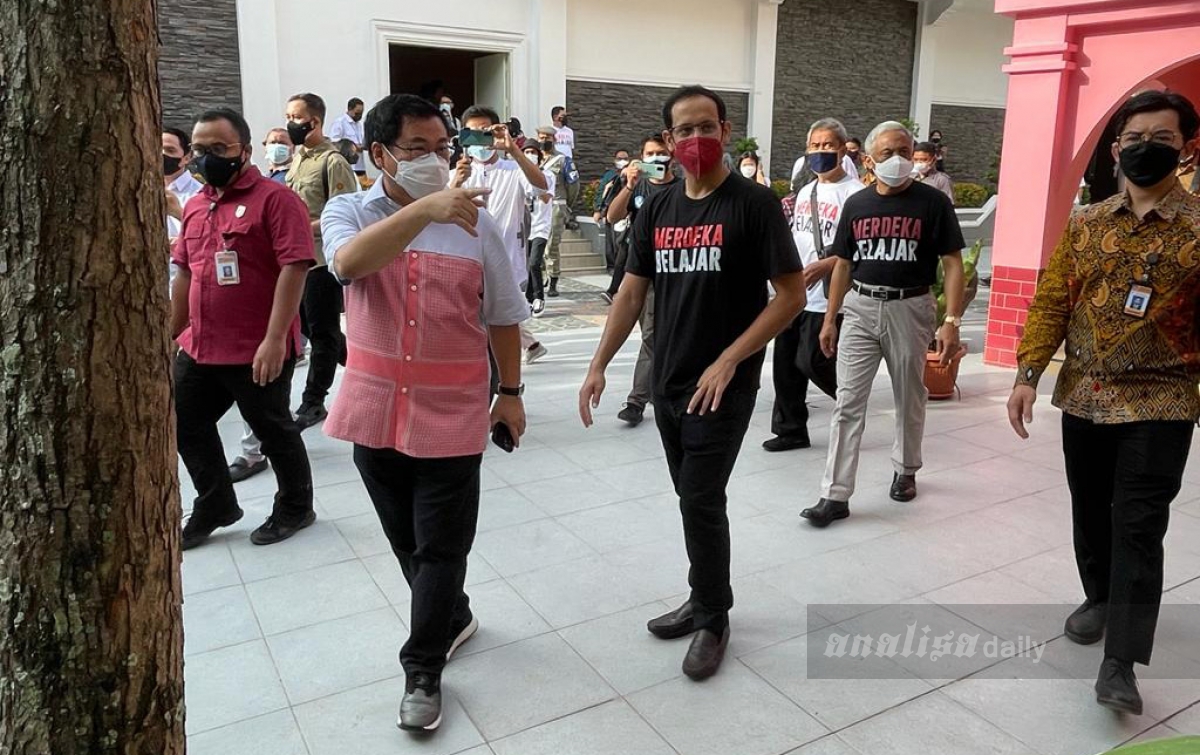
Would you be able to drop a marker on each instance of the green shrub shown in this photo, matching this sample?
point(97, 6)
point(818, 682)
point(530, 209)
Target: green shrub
point(781, 187)
point(589, 194)
point(970, 195)
point(745, 144)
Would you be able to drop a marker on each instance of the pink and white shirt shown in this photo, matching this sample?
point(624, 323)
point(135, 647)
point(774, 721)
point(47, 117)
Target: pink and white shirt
point(417, 373)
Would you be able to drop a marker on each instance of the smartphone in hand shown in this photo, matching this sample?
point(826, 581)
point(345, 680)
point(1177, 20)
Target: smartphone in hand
point(656, 171)
point(502, 437)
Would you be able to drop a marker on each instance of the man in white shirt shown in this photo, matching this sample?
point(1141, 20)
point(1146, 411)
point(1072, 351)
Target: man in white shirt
point(179, 182)
point(798, 357)
point(514, 180)
point(564, 144)
point(348, 125)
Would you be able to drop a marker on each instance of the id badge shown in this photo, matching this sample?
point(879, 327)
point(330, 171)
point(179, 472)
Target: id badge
point(227, 269)
point(1138, 300)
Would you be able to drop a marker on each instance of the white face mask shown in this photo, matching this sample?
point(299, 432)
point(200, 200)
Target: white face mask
point(278, 154)
point(657, 159)
point(533, 157)
point(622, 164)
point(749, 171)
point(423, 176)
point(894, 171)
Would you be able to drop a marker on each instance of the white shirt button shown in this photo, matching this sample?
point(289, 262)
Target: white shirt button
point(412, 323)
point(413, 287)
point(404, 390)
point(408, 357)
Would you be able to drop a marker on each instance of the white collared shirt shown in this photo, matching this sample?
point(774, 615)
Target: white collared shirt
point(345, 127)
point(507, 206)
point(564, 140)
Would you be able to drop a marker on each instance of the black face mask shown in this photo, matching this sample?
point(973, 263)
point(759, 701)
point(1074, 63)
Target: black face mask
point(298, 132)
point(217, 171)
point(171, 165)
point(547, 145)
point(356, 117)
point(1147, 163)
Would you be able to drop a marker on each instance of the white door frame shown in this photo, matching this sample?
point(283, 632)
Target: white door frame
point(388, 33)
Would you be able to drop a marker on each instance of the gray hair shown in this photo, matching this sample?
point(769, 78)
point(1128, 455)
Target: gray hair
point(828, 124)
point(882, 129)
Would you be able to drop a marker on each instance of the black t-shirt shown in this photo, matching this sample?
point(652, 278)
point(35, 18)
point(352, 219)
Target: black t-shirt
point(643, 191)
point(896, 240)
point(710, 260)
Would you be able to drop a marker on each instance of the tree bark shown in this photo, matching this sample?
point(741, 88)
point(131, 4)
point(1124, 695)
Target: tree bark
point(91, 640)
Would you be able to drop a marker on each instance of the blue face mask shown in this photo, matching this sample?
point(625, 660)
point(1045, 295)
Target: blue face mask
point(821, 162)
point(481, 153)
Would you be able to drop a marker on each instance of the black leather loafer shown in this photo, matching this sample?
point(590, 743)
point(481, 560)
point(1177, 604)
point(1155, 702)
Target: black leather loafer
point(826, 511)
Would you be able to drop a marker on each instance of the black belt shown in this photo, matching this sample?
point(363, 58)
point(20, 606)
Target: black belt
point(883, 293)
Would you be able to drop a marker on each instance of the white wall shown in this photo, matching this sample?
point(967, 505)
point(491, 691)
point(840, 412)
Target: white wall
point(969, 54)
point(668, 42)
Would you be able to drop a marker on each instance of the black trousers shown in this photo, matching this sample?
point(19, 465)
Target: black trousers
point(701, 451)
point(535, 256)
point(622, 257)
point(799, 361)
point(321, 323)
point(1123, 478)
point(203, 393)
point(429, 509)
point(610, 245)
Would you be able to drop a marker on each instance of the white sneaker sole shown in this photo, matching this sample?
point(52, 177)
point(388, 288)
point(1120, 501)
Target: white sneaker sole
point(467, 633)
point(430, 727)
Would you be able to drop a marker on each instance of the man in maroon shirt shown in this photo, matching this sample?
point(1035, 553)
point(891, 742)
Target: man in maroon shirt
point(243, 254)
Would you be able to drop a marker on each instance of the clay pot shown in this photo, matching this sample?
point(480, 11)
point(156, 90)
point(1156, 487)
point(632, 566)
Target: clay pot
point(941, 381)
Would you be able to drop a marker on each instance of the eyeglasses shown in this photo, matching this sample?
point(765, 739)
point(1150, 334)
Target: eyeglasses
point(1133, 138)
point(414, 153)
point(216, 150)
point(708, 129)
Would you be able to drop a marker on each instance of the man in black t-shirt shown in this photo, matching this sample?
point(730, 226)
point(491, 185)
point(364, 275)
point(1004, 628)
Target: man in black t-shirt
point(710, 244)
point(635, 192)
point(889, 240)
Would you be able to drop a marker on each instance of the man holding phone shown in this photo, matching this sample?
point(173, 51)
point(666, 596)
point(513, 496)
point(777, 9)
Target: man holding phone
point(512, 179)
point(414, 259)
point(641, 180)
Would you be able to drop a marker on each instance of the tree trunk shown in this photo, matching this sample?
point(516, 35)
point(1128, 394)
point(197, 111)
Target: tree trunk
point(91, 641)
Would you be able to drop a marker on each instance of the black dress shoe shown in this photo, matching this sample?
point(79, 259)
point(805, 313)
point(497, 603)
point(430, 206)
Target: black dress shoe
point(705, 654)
point(273, 531)
point(826, 511)
point(1086, 624)
point(785, 443)
point(1116, 686)
point(632, 414)
point(310, 414)
point(904, 487)
point(241, 469)
point(198, 529)
point(673, 625)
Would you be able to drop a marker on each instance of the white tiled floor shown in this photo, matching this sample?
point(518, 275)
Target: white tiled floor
point(291, 650)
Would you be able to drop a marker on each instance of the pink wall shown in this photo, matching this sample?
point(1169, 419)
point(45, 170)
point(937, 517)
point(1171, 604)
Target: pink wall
point(1073, 63)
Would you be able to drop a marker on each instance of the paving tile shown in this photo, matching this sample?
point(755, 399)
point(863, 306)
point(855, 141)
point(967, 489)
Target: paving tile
point(334, 656)
point(209, 567)
point(217, 619)
point(751, 718)
point(518, 686)
point(609, 729)
point(276, 733)
point(504, 507)
point(230, 685)
point(504, 617)
point(931, 724)
point(633, 522)
point(836, 703)
point(554, 592)
point(661, 566)
point(1004, 605)
point(573, 492)
point(839, 578)
point(620, 648)
point(344, 499)
point(829, 745)
point(530, 546)
point(531, 466)
point(364, 534)
point(385, 570)
point(363, 720)
point(638, 479)
point(314, 596)
point(604, 453)
point(319, 545)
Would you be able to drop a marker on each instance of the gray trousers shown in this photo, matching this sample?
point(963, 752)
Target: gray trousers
point(897, 332)
point(644, 369)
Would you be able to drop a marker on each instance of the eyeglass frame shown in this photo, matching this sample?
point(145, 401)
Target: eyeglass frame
point(445, 152)
point(710, 129)
point(1124, 140)
point(207, 150)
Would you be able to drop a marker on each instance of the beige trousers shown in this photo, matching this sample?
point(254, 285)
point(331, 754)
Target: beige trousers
point(897, 332)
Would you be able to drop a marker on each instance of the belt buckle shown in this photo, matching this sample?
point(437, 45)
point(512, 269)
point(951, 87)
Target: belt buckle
point(878, 294)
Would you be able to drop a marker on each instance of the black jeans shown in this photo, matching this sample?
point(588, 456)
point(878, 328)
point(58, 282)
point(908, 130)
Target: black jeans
point(701, 451)
point(1123, 478)
point(610, 245)
point(321, 323)
point(536, 255)
point(428, 509)
point(203, 393)
point(622, 245)
point(798, 361)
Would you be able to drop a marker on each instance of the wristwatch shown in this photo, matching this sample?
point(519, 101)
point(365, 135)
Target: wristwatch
point(952, 320)
point(518, 391)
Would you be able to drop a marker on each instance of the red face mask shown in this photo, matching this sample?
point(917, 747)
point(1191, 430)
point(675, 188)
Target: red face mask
point(698, 154)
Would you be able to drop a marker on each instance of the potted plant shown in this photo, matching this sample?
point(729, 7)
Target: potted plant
point(1174, 746)
point(941, 380)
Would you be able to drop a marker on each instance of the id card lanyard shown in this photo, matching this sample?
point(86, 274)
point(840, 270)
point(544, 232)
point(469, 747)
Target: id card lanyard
point(818, 241)
point(1137, 301)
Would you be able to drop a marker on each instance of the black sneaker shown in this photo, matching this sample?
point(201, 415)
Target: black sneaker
point(785, 443)
point(632, 414)
point(241, 469)
point(462, 632)
point(198, 529)
point(273, 531)
point(1117, 688)
point(421, 707)
point(310, 414)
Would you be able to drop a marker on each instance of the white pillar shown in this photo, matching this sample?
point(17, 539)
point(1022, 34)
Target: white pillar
point(924, 63)
point(258, 52)
point(548, 65)
point(762, 94)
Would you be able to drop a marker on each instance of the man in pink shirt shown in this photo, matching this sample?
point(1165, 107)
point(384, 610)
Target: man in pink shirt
point(243, 252)
point(428, 285)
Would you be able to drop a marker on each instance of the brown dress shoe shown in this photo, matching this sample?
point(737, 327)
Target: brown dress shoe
point(705, 654)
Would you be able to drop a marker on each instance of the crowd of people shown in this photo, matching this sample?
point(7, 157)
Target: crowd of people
point(440, 262)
